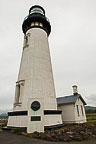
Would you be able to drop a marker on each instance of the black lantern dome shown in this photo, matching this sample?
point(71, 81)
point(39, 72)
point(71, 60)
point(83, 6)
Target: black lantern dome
point(36, 18)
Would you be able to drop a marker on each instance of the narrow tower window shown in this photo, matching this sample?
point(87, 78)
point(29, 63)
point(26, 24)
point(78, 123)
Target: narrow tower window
point(78, 110)
point(26, 41)
point(17, 94)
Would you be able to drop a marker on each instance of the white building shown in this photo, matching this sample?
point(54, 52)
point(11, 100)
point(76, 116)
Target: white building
point(35, 105)
point(73, 107)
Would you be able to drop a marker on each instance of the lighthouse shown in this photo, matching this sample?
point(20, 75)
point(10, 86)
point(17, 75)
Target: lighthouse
point(35, 106)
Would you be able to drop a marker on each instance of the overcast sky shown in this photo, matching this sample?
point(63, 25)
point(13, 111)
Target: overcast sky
point(72, 46)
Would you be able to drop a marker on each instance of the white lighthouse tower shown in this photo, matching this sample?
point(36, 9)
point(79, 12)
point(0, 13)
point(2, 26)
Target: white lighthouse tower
point(35, 106)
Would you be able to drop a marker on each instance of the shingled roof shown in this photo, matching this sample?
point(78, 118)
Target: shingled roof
point(69, 99)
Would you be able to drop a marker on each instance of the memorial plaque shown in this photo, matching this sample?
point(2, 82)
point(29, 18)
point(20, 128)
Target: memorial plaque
point(35, 105)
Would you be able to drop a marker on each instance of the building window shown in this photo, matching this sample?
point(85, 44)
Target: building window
point(82, 110)
point(78, 110)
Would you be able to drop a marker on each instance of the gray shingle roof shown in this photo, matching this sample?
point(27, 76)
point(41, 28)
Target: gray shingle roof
point(69, 99)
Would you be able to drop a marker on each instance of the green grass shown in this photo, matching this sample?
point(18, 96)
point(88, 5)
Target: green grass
point(17, 131)
point(91, 121)
point(91, 118)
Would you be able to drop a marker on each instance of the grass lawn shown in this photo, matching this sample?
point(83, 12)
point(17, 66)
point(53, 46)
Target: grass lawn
point(91, 118)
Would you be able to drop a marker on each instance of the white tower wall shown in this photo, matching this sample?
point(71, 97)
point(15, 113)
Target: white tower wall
point(36, 71)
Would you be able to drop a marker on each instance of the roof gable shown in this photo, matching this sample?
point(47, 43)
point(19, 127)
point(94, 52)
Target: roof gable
point(69, 99)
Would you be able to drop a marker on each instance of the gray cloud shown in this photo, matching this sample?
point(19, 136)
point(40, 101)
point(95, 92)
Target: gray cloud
point(91, 99)
point(72, 46)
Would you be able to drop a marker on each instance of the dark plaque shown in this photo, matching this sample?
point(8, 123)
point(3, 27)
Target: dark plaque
point(35, 105)
point(35, 118)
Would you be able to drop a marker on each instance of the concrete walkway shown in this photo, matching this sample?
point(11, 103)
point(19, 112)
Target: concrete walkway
point(10, 138)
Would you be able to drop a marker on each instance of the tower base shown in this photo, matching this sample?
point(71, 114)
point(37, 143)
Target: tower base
point(22, 119)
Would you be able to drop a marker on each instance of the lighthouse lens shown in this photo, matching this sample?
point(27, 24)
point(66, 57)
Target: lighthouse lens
point(36, 10)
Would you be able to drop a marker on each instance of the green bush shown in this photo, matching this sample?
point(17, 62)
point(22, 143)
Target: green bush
point(17, 131)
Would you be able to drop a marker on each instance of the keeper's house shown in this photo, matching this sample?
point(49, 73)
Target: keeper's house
point(73, 107)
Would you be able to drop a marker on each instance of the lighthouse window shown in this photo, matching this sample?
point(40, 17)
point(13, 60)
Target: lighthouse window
point(36, 23)
point(25, 41)
point(36, 10)
point(17, 94)
point(41, 24)
point(32, 24)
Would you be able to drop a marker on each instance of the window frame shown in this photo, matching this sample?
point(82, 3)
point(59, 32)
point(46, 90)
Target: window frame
point(77, 107)
point(82, 110)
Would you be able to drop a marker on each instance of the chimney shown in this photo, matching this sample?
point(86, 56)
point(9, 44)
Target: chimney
point(75, 91)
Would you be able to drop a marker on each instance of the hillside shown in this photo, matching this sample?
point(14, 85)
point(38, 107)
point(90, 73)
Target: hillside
point(90, 109)
point(3, 116)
